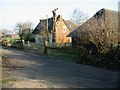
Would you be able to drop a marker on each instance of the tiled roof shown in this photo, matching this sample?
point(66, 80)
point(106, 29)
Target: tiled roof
point(43, 25)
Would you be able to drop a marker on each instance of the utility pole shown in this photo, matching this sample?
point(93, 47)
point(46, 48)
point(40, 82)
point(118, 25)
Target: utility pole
point(46, 41)
point(54, 24)
point(47, 32)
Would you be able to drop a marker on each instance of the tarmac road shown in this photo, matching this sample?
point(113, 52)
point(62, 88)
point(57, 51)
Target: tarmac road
point(56, 73)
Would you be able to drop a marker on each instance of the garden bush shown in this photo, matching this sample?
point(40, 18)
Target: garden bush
point(18, 45)
point(109, 59)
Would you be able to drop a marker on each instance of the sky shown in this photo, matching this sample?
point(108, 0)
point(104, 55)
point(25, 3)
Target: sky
point(14, 11)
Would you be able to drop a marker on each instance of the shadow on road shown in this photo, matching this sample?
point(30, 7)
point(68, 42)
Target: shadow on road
point(58, 73)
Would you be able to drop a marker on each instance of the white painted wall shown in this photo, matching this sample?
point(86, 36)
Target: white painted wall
point(50, 39)
point(37, 39)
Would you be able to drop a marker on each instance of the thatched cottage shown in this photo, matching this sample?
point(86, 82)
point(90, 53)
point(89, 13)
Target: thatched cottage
point(101, 29)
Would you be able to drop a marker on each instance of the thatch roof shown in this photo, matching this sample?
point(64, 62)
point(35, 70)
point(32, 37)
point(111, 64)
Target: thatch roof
point(104, 19)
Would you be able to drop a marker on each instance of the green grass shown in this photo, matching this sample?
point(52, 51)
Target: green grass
point(8, 80)
point(7, 38)
point(38, 48)
point(10, 39)
point(7, 41)
point(64, 54)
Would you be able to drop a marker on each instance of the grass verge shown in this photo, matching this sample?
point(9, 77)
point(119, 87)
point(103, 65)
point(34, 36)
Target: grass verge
point(8, 80)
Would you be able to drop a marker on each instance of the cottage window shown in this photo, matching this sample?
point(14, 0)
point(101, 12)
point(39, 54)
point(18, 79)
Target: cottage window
point(64, 29)
point(70, 40)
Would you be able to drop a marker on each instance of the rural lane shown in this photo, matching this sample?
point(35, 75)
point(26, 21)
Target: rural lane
point(56, 73)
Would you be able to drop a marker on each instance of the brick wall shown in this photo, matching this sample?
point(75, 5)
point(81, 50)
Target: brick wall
point(61, 32)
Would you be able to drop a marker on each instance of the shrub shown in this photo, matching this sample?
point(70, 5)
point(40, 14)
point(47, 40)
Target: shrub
point(29, 37)
point(18, 45)
point(109, 60)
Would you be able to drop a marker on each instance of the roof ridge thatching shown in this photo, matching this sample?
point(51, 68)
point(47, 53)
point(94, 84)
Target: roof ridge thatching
point(101, 17)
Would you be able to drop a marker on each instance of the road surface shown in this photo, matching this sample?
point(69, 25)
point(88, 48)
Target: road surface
point(38, 71)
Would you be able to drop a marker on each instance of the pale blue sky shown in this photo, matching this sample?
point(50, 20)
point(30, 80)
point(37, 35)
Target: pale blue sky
point(13, 11)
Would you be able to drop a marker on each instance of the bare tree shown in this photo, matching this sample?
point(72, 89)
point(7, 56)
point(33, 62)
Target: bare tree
point(78, 17)
point(5, 32)
point(23, 28)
